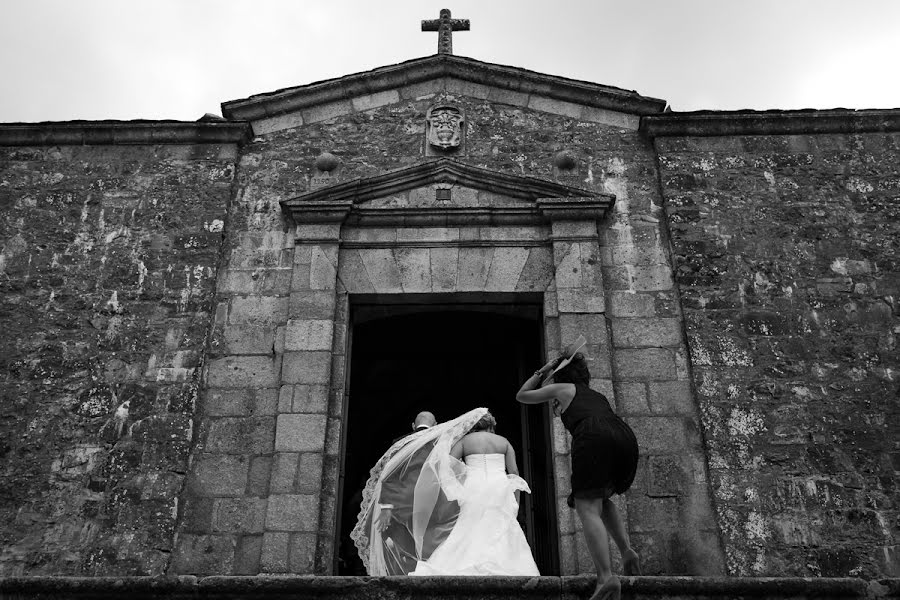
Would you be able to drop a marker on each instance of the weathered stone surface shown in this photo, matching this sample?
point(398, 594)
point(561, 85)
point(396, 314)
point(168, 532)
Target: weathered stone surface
point(300, 433)
point(631, 398)
point(247, 555)
point(474, 265)
point(242, 515)
point(788, 328)
point(322, 268)
point(506, 268)
point(567, 260)
point(293, 512)
point(631, 304)
point(308, 367)
point(325, 112)
point(312, 304)
point(108, 258)
point(414, 265)
point(671, 397)
point(303, 553)
point(258, 310)
point(245, 339)
point(219, 475)
point(308, 334)
point(537, 274)
point(444, 263)
point(660, 434)
point(284, 472)
point(650, 278)
point(309, 473)
point(667, 476)
point(273, 124)
point(275, 552)
point(645, 364)
point(580, 300)
point(376, 100)
point(259, 476)
point(240, 435)
point(646, 333)
point(239, 403)
point(243, 372)
point(256, 281)
point(382, 270)
point(309, 399)
point(203, 554)
point(573, 229)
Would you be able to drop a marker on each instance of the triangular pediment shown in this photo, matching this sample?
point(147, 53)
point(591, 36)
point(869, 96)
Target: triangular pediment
point(296, 106)
point(534, 198)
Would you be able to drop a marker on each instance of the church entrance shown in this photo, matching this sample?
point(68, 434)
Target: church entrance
point(446, 358)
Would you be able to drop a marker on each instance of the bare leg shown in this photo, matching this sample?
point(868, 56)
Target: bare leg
point(616, 526)
point(590, 513)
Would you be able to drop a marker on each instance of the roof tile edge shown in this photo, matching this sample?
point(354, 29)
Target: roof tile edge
point(82, 133)
point(771, 122)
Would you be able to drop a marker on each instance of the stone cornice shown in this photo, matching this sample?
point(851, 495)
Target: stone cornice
point(772, 122)
point(342, 201)
point(81, 133)
point(444, 170)
point(437, 66)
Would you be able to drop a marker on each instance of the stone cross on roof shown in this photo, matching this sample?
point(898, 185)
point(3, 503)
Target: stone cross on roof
point(445, 26)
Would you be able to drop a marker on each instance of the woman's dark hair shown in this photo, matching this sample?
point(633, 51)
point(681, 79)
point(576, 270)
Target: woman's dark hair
point(575, 372)
point(486, 423)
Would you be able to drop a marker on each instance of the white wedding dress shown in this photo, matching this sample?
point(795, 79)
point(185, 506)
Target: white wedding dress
point(486, 539)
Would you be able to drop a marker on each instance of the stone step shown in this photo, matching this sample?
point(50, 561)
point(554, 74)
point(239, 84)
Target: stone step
point(458, 588)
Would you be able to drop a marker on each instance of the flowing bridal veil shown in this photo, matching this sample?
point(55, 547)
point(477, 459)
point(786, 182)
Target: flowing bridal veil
point(419, 480)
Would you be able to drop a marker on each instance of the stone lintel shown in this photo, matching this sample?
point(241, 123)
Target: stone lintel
point(772, 122)
point(443, 217)
point(86, 133)
point(353, 588)
point(436, 67)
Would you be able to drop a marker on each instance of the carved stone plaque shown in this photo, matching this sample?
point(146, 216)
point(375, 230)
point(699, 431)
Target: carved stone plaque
point(444, 130)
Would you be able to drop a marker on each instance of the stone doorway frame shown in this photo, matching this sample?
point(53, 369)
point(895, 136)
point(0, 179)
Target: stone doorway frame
point(505, 238)
point(525, 305)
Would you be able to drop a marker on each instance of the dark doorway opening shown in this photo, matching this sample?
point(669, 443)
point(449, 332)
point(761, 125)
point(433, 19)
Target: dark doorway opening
point(446, 358)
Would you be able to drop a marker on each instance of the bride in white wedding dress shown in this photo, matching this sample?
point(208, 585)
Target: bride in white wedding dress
point(449, 517)
point(487, 539)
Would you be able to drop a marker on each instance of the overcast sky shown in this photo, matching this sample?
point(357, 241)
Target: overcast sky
point(179, 59)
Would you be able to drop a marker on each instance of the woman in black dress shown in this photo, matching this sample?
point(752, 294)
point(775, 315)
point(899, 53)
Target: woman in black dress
point(604, 462)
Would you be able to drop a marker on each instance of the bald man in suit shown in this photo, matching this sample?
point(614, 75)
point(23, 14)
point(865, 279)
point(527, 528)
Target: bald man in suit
point(395, 511)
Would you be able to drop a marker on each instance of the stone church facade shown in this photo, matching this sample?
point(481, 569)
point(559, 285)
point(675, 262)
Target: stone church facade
point(182, 302)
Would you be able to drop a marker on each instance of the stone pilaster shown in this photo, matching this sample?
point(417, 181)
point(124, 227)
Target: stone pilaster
point(300, 520)
point(575, 305)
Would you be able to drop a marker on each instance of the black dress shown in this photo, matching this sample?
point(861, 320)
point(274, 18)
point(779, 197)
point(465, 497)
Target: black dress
point(604, 449)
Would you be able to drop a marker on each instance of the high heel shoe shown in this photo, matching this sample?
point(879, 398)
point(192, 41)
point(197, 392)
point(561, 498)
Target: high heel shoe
point(631, 562)
point(610, 590)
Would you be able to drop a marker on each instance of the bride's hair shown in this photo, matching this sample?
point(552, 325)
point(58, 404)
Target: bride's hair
point(486, 423)
point(574, 372)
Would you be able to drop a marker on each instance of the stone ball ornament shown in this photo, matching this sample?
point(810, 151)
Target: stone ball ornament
point(564, 160)
point(327, 162)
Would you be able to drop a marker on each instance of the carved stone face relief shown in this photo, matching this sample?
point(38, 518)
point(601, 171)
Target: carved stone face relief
point(444, 129)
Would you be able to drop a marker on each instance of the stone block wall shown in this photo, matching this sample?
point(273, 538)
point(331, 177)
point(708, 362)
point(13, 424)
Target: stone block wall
point(670, 515)
point(108, 261)
point(786, 256)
